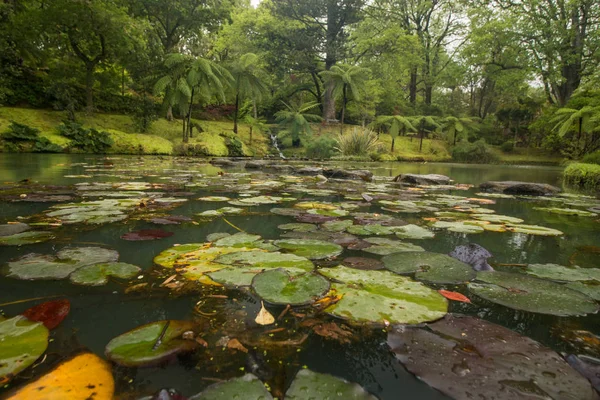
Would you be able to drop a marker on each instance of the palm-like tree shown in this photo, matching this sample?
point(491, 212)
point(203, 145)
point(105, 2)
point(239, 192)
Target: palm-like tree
point(454, 126)
point(255, 123)
point(584, 118)
point(296, 119)
point(396, 124)
point(248, 83)
point(191, 78)
point(425, 123)
point(348, 82)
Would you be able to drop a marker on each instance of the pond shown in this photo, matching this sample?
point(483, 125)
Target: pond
point(346, 322)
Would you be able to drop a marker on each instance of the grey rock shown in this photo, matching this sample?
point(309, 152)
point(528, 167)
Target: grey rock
point(474, 255)
point(310, 171)
point(520, 188)
point(358, 174)
point(416, 179)
point(256, 164)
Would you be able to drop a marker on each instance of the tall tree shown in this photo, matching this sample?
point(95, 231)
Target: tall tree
point(348, 82)
point(425, 123)
point(248, 82)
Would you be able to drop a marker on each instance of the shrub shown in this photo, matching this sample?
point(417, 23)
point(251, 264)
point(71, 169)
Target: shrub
point(582, 175)
point(19, 132)
point(352, 158)
point(360, 142)
point(86, 140)
point(44, 145)
point(145, 112)
point(234, 144)
point(20, 137)
point(322, 147)
point(592, 158)
point(477, 152)
point(507, 146)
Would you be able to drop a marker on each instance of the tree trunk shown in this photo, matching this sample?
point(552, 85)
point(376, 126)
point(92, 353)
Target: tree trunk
point(428, 94)
point(170, 113)
point(344, 101)
point(329, 104)
point(235, 113)
point(455, 133)
point(123, 82)
point(421, 141)
point(393, 140)
point(330, 59)
point(89, 86)
point(189, 117)
point(315, 79)
point(412, 87)
point(184, 136)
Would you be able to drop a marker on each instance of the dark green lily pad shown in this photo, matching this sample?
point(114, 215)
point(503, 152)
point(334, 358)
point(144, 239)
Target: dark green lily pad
point(362, 263)
point(469, 358)
point(21, 343)
point(413, 232)
point(382, 296)
point(459, 226)
point(312, 385)
point(13, 229)
point(150, 344)
point(98, 274)
point(213, 237)
point(337, 226)
point(31, 237)
point(277, 286)
point(298, 227)
point(37, 266)
point(83, 256)
point(589, 289)
point(311, 249)
point(563, 274)
point(431, 267)
point(238, 240)
point(534, 230)
point(567, 211)
point(246, 387)
point(383, 246)
point(522, 292)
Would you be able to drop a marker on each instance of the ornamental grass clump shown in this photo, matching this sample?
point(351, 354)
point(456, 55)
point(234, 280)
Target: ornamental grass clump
point(359, 142)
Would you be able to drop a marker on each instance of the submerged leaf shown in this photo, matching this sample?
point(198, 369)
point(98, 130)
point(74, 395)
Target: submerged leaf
point(50, 313)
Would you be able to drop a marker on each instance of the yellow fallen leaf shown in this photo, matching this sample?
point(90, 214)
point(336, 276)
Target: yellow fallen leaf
point(264, 317)
point(85, 376)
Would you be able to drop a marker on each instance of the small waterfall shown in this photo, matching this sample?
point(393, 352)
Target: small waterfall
point(276, 145)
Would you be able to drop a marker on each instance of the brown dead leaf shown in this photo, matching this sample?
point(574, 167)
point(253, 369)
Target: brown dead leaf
point(264, 317)
point(169, 279)
point(331, 330)
point(236, 345)
point(136, 288)
point(201, 341)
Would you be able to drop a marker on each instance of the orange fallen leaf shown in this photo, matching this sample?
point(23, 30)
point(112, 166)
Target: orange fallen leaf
point(85, 376)
point(236, 345)
point(454, 296)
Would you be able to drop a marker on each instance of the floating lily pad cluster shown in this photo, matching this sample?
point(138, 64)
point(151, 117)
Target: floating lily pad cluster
point(20, 234)
point(91, 266)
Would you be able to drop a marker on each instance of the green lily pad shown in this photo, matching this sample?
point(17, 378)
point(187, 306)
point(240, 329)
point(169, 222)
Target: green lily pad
point(563, 274)
point(311, 249)
point(431, 267)
point(566, 211)
point(499, 219)
point(13, 229)
point(220, 212)
point(240, 239)
point(150, 344)
point(380, 296)
point(256, 201)
point(168, 257)
point(214, 198)
point(373, 229)
point(534, 230)
point(458, 226)
point(213, 237)
point(312, 385)
point(31, 237)
point(298, 227)
point(245, 387)
point(329, 213)
point(315, 205)
point(97, 274)
point(526, 293)
point(383, 246)
point(83, 256)
point(413, 232)
point(277, 286)
point(21, 343)
point(337, 226)
point(591, 290)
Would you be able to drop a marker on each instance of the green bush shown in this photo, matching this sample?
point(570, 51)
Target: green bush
point(23, 138)
point(19, 132)
point(359, 142)
point(352, 158)
point(86, 140)
point(582, 175)
point(321, 148)
point(592, 158)
point(508, 146)
point(44, 145)
point(477, 152)
point(145, 112)
point(234, 144)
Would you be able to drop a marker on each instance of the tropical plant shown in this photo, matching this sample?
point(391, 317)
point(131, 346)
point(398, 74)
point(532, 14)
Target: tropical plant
point(359, 142)
point(425, 123)
point(255, 123)
point(191, 78)
point(248, 82)
point(348, 82)
point(454, 126)
point(396, 124)
point(295, 120)
point(585, 119)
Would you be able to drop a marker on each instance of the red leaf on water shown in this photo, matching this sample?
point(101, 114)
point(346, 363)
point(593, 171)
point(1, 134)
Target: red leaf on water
point(50, 313)
point(146, 234)
point(454, 296)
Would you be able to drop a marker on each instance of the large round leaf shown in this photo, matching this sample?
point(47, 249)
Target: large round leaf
point(522, 292)
point(31, 237)
point(413, 232)
point(380, 296)
point(168, 257)
point(83, 256)
point(431, 267)
point(247, 387)
point(37, 266)
point(85, 376)
point(468, 358)
point(311, 249)
point(277, 286)
point(21, 343)
point(97, 274)
point(563, 274)
point(150, 344)
point(309, 385)
point(534, 230)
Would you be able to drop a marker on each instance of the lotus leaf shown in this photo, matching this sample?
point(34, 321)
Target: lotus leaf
point(329, 213)
point(277, 286)
point(213, 237)
point(214, 198)
point(386, 246)
point(534, 230)
point(314, 205)
point(150, 344)
point(459, 226)
point(591, 290)
point(499, 219)
point(313, 385)
point(362, 263)
point(337, 226)
point(258, 200)
point(168, 257)
point(246, 387)
point(37, 266)
point(238, 240)
point(83, 256)
point(298, 227)
point(21, 343)
point(31, 237)
point(567, 211)
point(467, 358)
point(311, 249)
point(413, 232)
point(97, 274)
point(563, 274)
point(373, 229)
point(522, 292)
point(380, 296)
point(431, 267)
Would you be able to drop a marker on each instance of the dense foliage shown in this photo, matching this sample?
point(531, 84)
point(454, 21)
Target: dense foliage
point(515, 74)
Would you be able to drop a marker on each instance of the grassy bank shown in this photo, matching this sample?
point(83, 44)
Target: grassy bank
point(586, 176)
point(164, 136)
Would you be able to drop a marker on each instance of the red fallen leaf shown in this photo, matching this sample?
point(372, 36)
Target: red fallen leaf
point(50, 313)
point(454, 296)
point(146, 234)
